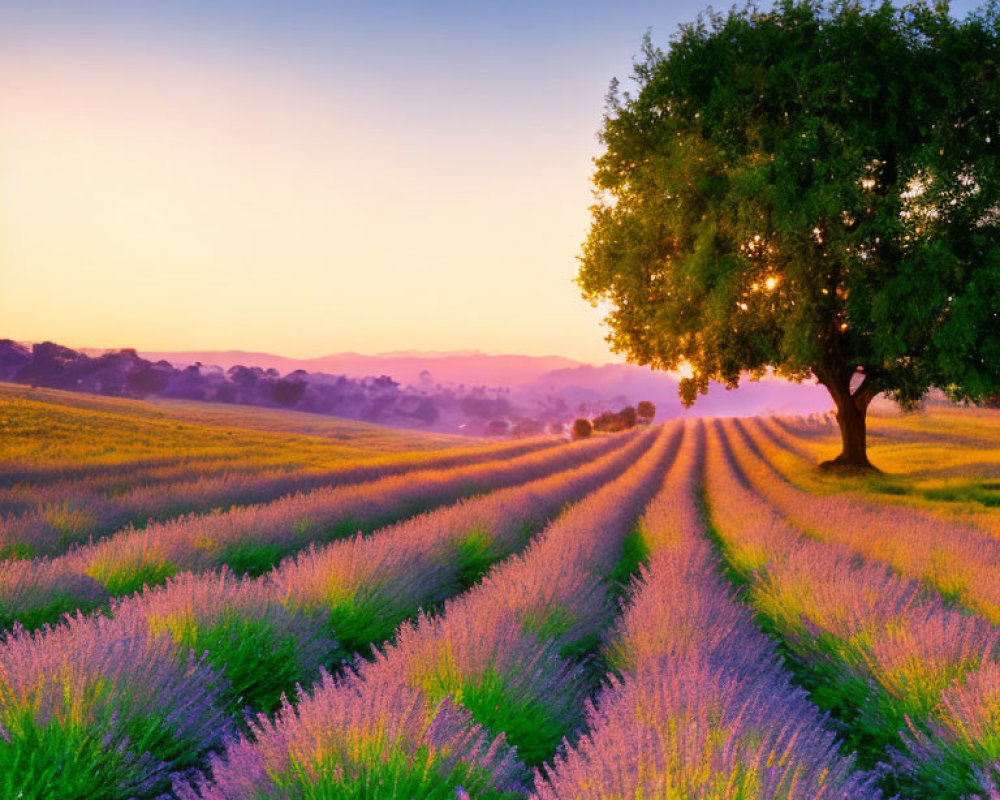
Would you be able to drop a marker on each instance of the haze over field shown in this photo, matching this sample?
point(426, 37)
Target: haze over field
point(535, 376)
point(472, 394)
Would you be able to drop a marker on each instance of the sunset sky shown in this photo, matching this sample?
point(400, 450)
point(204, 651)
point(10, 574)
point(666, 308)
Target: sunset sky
point(303, 177)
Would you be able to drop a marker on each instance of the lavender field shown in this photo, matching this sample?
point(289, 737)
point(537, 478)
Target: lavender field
point(246, 610)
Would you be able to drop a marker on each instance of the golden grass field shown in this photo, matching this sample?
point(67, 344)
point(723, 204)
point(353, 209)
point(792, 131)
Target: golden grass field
point(52, 428)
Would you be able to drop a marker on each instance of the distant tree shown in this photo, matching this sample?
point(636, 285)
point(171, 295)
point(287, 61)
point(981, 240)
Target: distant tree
point(287, 393)
point(813, 189)
point(646, 411)
point(51, 365)
point(606, 422)
point(226, 393)
point(581, 429)
point(13, 356)
point(145, 379)
point(108, 373)
point(187, 382)
point(245, 377)
point(497, 427)
point(628, 417)
point(614, 421)
point(421, 409)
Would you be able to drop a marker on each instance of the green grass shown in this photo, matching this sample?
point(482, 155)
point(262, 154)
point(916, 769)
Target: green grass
point(552, 624)
point(392, 775)
point(93, 760)
point(59, 760)
point(986, 493)
point(953, 775)
point(635, 554)
point(259, 661)
point(526, 722)
point(253, 559)
point(133, 577)
point(882, 484)
point(475, 555)
point(43, 615)
point(359, 621)
point(17, 550)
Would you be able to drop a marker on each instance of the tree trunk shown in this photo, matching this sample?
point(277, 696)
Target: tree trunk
point(852, 408)
point(853, 435)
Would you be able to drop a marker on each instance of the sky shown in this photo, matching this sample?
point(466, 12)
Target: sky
point(306, 177)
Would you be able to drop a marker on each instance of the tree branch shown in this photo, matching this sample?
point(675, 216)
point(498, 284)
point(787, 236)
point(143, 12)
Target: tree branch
point(866, 392)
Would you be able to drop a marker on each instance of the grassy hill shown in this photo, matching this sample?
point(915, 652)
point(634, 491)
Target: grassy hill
point(58, 428)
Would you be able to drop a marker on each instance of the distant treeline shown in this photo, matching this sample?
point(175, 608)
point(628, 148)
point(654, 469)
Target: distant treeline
point(123, 373)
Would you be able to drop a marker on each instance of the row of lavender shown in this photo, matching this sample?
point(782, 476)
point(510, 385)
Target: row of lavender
point(960, 561)
point(48, 518)
point(110, 707)
point(967, 484)
point(436, 712)
point(21, 492)
point(701, 707)
point(106, 477)
point(879, 651)
point(252, 538)
point(13, 473)
point(915, 681)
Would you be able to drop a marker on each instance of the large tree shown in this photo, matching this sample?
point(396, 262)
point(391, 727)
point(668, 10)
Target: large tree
point(813, 190)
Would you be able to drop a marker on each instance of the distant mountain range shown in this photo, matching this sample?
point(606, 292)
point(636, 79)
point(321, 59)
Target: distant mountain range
point(456, 367)
point(533, 381)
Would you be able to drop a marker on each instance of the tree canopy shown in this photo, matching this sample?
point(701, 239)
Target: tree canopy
point(813, 190)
